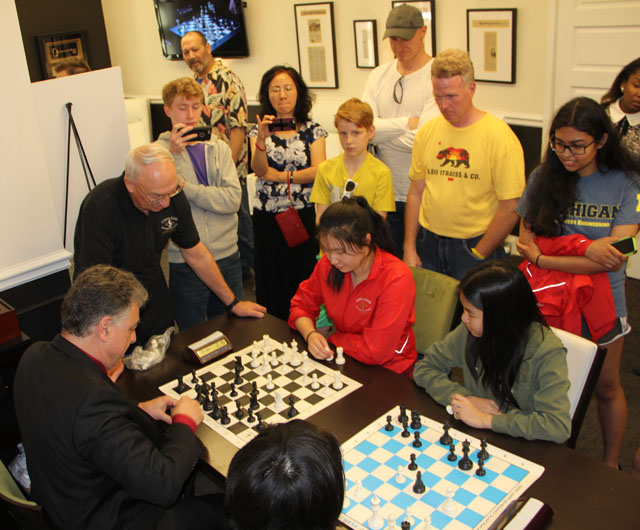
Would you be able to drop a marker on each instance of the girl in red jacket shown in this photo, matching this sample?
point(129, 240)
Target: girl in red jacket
point(368, 292)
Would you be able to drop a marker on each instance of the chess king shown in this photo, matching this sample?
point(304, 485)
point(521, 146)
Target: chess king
point(107, 462)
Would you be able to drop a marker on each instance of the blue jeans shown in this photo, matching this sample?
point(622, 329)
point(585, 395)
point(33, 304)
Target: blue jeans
point(245, 234)
point(448, 255)
point(396, 225)
point(193, 302)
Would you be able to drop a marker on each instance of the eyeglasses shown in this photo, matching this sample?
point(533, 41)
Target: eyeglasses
point(155, 198)
point(349, 187)
point(559, 147)
point(278, 89)
point(398, 90)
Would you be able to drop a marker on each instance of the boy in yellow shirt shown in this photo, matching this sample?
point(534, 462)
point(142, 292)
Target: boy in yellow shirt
point(355, 172)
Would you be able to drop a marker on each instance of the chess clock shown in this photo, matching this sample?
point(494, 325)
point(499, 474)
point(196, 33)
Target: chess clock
point(207, 349)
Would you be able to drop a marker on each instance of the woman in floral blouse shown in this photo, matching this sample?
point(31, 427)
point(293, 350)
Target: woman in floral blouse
point(283, 160)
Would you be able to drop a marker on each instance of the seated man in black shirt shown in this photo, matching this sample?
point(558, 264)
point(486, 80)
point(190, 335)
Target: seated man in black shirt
point(127, 221)
point(96, 459)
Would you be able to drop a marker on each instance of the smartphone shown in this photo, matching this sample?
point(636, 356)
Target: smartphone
point(282, 124)
point(626, 245)
point(204, 134)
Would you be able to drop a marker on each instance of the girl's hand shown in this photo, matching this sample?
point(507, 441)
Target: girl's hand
point(263, 128)
point(464, 409)
point(531, 251)
point(485, 405)
point(318, 346)
point(602, 252)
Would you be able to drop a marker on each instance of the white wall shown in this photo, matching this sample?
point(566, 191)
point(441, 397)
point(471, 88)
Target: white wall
point(134, 45)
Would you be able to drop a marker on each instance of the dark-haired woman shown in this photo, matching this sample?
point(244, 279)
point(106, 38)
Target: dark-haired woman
point(622, 103)
point(368, 292)
point(587, 185)
point(514, 367)
point(285, 162)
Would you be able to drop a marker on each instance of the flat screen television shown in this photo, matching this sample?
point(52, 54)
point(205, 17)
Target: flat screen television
point(221, 21)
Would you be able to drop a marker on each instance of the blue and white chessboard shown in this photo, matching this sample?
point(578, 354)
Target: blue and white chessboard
point(371, 459)
point(287, 380)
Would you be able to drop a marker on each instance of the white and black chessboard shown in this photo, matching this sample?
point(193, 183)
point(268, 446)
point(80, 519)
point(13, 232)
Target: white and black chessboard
point(287, 380)
point(371, 460)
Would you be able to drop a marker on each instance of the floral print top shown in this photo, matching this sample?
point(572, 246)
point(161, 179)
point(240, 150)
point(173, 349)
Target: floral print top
point(287, 154)
point(225, 107)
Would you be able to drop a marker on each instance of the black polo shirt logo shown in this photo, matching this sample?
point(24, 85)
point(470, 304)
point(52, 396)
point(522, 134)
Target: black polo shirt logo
point(168, 224)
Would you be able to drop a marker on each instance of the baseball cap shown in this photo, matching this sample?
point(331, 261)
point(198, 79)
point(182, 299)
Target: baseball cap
point(403, 21)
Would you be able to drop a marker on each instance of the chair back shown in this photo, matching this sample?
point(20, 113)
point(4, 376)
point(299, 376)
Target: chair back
point(27, 514)
point(435, 305)
point(584, 360)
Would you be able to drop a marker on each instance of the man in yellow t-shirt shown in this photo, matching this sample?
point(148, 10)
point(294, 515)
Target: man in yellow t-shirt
point(355, 172)
point(467, 174)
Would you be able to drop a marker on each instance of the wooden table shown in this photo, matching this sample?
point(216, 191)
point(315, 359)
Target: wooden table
point(583, 493)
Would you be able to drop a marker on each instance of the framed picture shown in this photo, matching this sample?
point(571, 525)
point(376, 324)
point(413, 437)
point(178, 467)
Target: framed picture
point(316, 44)
point(54, 47)
point(366, 39)
point(428, 10)
point(491, 43)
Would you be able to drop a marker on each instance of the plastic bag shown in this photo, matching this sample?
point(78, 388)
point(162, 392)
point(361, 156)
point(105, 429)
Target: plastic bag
point(153, 352)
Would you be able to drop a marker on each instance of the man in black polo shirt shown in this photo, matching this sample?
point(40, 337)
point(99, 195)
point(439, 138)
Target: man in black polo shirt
point(127, 221)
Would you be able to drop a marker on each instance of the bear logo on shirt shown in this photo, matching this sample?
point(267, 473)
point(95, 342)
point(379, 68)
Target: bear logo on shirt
point(454, 156)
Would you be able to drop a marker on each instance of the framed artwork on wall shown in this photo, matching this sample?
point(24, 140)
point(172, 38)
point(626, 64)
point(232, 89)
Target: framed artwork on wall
point(316, 44)
point(491, 43)
point(55, 47)
point(366, 41)
point(428, 10)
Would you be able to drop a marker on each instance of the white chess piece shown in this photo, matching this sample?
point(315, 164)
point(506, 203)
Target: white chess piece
point(325, 391)
point(376, 521)
point(391, 522)
point(278, 404)
point(427, 523)
point(407, 516)
point(305, 361)
point(449, 506)
point(295, 358)
point(274, 358)
point(339, 355)
point(359, 492)
point(286, 357)
point(270, 385)
point(294, 345)
point(400, 478)
point(337, 382)
point(449, 410)
point(265, 343)
point(254, 355)
point(314, 384)
point(265, 363)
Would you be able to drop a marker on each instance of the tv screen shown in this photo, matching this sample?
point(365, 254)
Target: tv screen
point(221, 21)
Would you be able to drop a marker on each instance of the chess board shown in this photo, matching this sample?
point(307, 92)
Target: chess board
point(372, 459)
point(287, 380)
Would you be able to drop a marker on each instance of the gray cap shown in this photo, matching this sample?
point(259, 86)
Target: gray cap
point(403, 21)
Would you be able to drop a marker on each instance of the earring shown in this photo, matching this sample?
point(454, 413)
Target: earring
point(622, 89)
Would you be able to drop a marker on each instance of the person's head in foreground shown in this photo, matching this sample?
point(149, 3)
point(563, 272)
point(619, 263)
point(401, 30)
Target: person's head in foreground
point(70, 66)
point(289, 477)
point(499, 308)
point(349, 233)
point(183, 100)
point(354, 123)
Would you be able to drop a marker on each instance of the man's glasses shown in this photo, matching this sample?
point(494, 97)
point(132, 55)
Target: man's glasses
point(155, 198)
point(559, 147)
point(398, 91)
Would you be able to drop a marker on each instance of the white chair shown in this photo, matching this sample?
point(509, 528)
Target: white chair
point(584, 360)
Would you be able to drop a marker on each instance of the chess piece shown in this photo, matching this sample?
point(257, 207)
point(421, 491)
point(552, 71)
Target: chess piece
point(415, 420)
point(403, 413)
point(400, 478)
point(405, 428)
point(260, 426)
point(452, 457)
point(391, 522)
point(337, 382)
point(340, 355)
point(325, 391)
point(224, 417)
point(359, 493)
point(269, 385)
point(216, 413)
point(483, 450)
point(416, 439)
point(388, 427)
point(194, 377)
point(449, 505)
point(265, 343)
point(376, 521)
point(295, 359)
point(446, 439)
point(292, 410)
point(207, 405)
point(254, 355)
point(418, 486)
point(294, 345)
point(251, 418)
point(427, 523)
point(274, 358)
point(182, 387)
point(465, 462)
point(314, 384)
point(412, 462)
point(233, 392)
point(253, 400)
point(408, 518)
point(405, 525)
point(239, 411)
point(278, 404)
point(305, 362)
point(480, 471)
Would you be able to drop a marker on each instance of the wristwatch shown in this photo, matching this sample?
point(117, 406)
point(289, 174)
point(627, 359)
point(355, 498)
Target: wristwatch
point(233, 304)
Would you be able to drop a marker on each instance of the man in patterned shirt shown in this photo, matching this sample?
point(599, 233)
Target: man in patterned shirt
point(225, 110)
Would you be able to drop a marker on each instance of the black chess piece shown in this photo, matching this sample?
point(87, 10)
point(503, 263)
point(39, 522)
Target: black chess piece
point(253, 400)
point(405, 525)
point(251, 418)
point(452, 457)
point(416, 439)
point(233, 392)
point(415, 420)
point(465, 462)
point(207, 405)
point(224, 417)
point(403, 413)
point(239, 412)
point(182, 387)
point(197, 387)
point(292, 410)
point(194, 377)
point(418, 486)
point(260, 426)
point(412, 462)
point(405, 428)
point(388, 427)
point(238, 379)
point(446, 439)
point(216, 413)
point(483, 450)
point(480, 471)
point(200, 397)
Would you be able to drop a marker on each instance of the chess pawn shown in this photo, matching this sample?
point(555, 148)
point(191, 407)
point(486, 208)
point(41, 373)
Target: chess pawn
point(337, 382)
point(265, 343)
point(254, 356)
point(400, 478)
point(391, 522)
point(427, 523)
point(314, 384)
point(305, 361)
point(407, 516)
point(274, 359)
point(339, 355)
point(270, 385)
